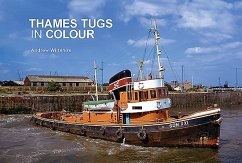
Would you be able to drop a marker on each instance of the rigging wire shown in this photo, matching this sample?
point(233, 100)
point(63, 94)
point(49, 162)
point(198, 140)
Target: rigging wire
point(169, 61)
point(146, 45)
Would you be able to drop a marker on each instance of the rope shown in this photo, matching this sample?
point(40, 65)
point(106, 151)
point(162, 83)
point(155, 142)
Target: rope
point(173, 71)
point(146, 45)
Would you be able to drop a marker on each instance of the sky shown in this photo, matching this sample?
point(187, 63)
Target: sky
point(203, 36)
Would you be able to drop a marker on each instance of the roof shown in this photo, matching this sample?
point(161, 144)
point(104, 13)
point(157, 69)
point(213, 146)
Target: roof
point(47, 78)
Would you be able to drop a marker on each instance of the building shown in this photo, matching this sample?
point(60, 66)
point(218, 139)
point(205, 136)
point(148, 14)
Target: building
point(187, 85)
point(69, 81)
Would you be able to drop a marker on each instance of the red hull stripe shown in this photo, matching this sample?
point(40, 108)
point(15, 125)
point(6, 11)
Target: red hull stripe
point(119, 83)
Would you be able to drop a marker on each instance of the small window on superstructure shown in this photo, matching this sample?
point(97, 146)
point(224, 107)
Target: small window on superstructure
point(145, 94)
point(152, 93)
point(141, 97)
point(164, 91)
point(159, 92)
point(136, 97)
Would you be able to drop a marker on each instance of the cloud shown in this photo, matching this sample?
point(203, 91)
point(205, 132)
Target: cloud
point(200, 16)
point(13, 35)
point(148, 23)
point(34, 69)
point(216, 54)
point(1, 10)
point(238, 5)
point(19, 62)
point(86, 8)
point(213, 49)
point(147, 62)
point(3, 69)
point(142, 42)
point(114, 64)
point(151, 8)
point(27, 53)
point(196, 19)
point(214, 37)
point(40, 55)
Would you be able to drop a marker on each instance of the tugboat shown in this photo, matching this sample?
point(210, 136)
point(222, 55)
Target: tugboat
point(138, 114)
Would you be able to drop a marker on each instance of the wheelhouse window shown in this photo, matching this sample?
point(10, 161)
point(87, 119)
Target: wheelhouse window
point(141, 95)
point(152, 93)
point(159, 92)
point(145, 94)
point(164, 90)
point(136, 97)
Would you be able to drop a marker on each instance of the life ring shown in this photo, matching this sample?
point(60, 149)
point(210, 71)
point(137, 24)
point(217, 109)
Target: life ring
point(141, 85)
point(102, 130)
point(83, 131)
point(142, 135)
point(119, 134)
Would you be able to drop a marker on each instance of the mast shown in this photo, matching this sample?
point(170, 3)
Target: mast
point(182, 78)
point(236, 77)
point(140, 63)
point(95, 78)
point(102, 77)
point(158, 51)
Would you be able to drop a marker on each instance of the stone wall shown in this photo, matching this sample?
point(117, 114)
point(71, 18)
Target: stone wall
point(35, 103)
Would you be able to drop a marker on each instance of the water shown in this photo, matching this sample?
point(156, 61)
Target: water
point(20, 141)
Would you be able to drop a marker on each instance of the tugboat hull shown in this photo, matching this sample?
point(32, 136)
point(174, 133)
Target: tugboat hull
point(199, 131)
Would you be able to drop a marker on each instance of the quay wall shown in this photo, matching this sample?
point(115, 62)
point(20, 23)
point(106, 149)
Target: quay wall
point(204, 99)
point(39, 103)
point(42, 103)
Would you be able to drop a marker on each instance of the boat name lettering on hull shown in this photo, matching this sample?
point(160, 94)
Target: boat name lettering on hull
point(178, 124)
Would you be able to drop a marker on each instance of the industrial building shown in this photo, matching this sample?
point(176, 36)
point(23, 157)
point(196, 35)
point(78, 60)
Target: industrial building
point(68, 81)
